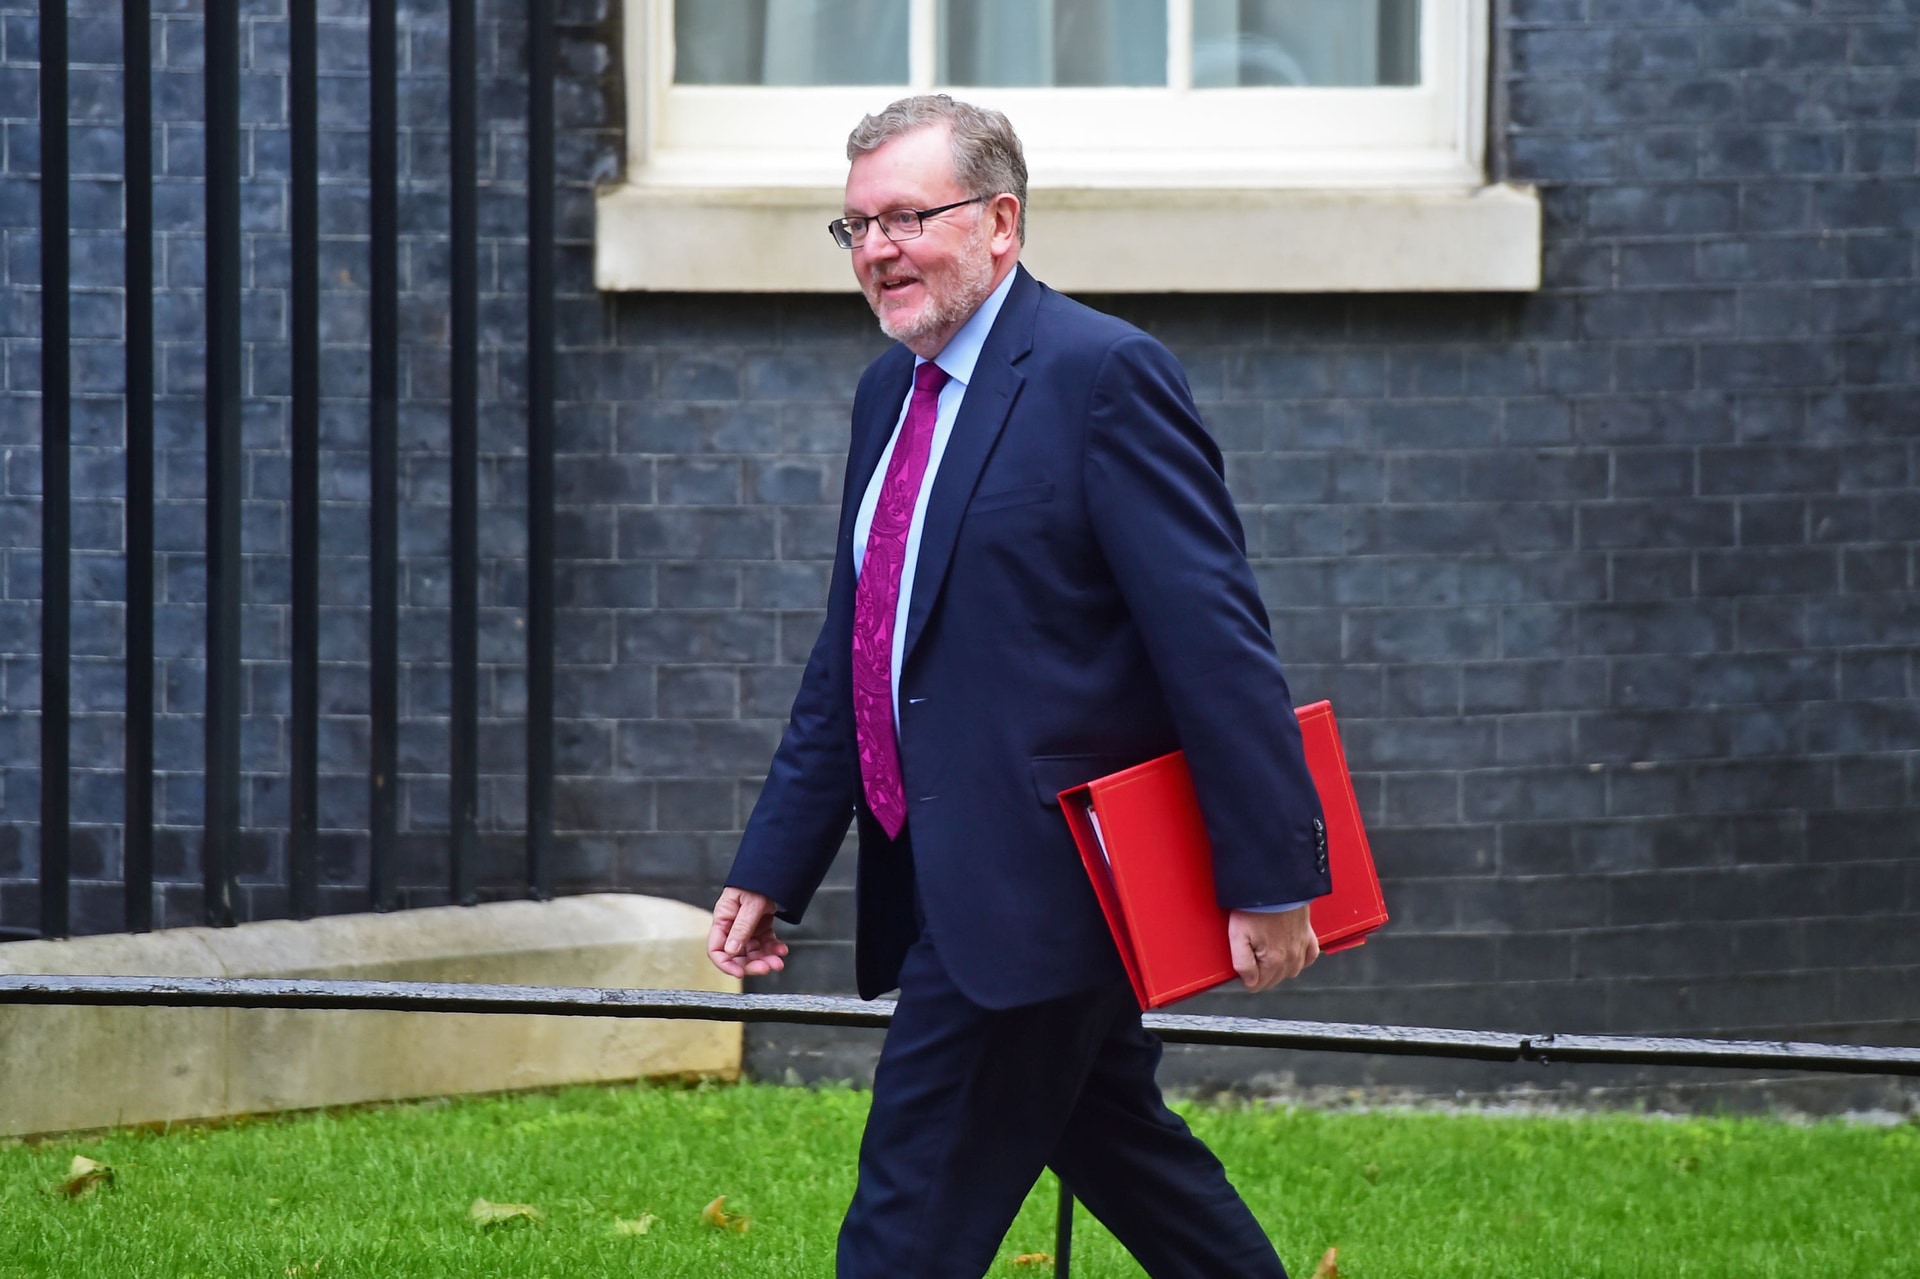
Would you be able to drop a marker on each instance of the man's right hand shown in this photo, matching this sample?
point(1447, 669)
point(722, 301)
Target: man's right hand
point(741, 942)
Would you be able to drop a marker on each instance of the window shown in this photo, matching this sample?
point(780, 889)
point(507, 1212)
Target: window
point(1336, 143)
point(1085, 43)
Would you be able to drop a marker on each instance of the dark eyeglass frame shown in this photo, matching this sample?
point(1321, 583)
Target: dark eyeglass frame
point(842, 231)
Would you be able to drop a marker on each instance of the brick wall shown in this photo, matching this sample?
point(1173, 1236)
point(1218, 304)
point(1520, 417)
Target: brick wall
point(1613, 585)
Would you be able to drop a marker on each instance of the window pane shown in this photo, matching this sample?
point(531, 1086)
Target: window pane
point(1053, 42)
point(790, 41)
point(1305, 42)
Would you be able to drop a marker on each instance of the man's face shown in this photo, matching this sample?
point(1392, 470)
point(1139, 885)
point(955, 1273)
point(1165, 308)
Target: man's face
point(922, 290)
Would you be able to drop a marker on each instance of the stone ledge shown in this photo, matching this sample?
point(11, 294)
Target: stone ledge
point(74, 1068)
point(1150, 240)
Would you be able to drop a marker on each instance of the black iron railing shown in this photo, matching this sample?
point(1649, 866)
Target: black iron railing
point(842, 1010)
point(833, 1010)
point(224, 457)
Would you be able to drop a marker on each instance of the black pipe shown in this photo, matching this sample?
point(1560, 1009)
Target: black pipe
point(1063, 1234)
point(303, 779)
point(844, 1010)
point(137, 112)
point(220, 851)
point(56, 531)
point(383, 805)
point(540, 389)
point(463, 783)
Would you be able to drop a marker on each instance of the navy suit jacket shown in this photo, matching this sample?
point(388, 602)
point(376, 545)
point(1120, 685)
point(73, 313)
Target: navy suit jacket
point(1082, 602)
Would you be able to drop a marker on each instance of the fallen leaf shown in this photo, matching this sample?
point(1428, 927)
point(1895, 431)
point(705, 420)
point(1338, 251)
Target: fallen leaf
point(1372, 1173)
point(716, 1215)
point(296, 1269)
point(638, 1226)
point(1034, 1259)
point(486, 1214)
point(1329, 1267)
point(84, 1176)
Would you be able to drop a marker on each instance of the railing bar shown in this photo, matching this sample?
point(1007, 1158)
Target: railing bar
point(222, 784)
point(303, 781)
point(384, 463)
point(137, 115)
point(1063, 1234)
point(463, 722)
point(1481, 1044)
point(56, 535)
point(540, 421)
point(1690, 1052)
point(843, 1010)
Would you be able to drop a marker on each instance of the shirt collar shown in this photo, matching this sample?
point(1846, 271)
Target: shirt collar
point(962, 350)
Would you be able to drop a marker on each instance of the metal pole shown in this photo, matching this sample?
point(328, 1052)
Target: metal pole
point(1063, 1234)
point(540, 388)
point(219, 852)
point(303, 782)
point(844, 1010)
point(137, 112)
point(384, 330)
point(56, 535)
point(463, 785)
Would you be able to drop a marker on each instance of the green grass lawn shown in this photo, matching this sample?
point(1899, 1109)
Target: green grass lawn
point(386, 1193)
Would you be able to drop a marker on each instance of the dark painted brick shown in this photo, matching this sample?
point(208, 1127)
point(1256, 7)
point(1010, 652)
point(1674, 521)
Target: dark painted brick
point(1776, 206)
point(695, 806)
point(1418, 744)
point(698, 748)
point(1772, 522)
point(1770, 623)
point(1641, 524)
point(1642, 210)
point(670, 636)
point(768, 692)
point(1768, 572)
point(1876, 569)
point(1422, 634)
point(720, 533)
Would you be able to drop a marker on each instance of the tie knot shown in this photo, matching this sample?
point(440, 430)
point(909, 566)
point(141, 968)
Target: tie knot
point(929, 378)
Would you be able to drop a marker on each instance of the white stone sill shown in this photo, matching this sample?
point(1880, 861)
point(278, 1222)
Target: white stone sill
point(774, 240)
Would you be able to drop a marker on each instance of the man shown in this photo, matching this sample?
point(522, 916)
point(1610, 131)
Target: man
point(1040, 579)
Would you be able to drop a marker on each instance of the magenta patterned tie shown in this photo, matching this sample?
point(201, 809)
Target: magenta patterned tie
point(876, 599)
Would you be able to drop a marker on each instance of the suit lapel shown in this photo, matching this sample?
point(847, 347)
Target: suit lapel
point(983, 413)
point(870, 439)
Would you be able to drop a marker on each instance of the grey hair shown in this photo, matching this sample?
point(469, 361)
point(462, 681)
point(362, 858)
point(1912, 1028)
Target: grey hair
point(987, 159)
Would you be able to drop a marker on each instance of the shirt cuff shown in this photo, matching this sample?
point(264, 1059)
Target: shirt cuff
point(1274, 910)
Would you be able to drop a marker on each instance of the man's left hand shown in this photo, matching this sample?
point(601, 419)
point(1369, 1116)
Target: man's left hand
point(1270, 948)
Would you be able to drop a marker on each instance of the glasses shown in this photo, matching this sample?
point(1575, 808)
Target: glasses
point(895, 224)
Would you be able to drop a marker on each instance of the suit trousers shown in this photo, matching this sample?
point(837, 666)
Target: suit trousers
point(970, 1103)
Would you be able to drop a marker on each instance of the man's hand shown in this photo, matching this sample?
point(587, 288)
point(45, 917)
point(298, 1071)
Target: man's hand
point(741, 942)
point(1269, 948)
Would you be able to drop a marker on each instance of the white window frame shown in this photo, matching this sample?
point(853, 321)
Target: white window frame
point(1132, 189)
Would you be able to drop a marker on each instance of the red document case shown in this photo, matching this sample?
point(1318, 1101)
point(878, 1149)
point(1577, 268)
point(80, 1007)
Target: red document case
point(1145, 846)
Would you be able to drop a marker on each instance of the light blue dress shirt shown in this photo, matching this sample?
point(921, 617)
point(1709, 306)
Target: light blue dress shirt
point(957, 360)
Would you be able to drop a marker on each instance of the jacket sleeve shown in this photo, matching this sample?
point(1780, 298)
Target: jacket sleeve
point(806, 805)
point(1166, 525)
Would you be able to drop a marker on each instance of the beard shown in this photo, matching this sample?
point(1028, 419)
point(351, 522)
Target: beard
point(952, 296)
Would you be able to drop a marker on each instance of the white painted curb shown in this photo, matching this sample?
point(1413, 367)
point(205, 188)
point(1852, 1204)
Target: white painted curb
point(63, 1069)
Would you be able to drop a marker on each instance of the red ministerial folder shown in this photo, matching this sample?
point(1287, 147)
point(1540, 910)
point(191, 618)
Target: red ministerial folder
point(1145, 846)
